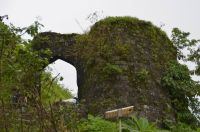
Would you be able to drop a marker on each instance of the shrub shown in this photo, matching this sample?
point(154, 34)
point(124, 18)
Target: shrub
point(97, 124)
point(135, 124)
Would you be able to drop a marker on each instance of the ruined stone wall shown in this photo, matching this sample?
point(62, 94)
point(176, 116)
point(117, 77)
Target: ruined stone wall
point(119, 62)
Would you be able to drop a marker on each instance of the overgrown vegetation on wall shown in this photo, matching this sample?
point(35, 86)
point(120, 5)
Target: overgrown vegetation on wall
point(122, 56)
point(125, 61)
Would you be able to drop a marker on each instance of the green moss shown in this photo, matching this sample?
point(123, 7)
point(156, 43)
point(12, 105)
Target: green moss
point(142, 74)
point(122, 50)
point(111, 70)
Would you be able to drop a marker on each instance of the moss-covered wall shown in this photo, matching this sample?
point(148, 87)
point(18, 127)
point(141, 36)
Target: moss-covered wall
point(119, 62)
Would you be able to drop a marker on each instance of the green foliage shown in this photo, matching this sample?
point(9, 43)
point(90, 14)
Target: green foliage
point(183, 91)
point(8, 42)
point(31, 30)
point(135, 124)
point(19, 64)
point(181, 127)
point(51, 91)
point(97, 124)
point(181, 41)
point(24, 86)
point(179, 38)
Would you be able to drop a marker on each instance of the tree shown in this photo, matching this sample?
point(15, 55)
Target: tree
point(21, 78)
point(182, 88)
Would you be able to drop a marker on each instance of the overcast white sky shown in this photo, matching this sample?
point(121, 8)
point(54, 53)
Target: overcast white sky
point(61, 15)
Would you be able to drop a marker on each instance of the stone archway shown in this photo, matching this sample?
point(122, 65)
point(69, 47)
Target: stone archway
point(62, 47)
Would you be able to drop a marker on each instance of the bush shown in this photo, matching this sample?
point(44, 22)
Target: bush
point(97, 124)
point(181, 127)
point(51, 90)
point(138, 125)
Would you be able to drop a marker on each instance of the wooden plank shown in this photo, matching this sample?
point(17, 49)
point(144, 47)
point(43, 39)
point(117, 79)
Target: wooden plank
point(122, 112)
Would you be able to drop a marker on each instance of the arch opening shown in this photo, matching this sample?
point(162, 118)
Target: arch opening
point(62, 68)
